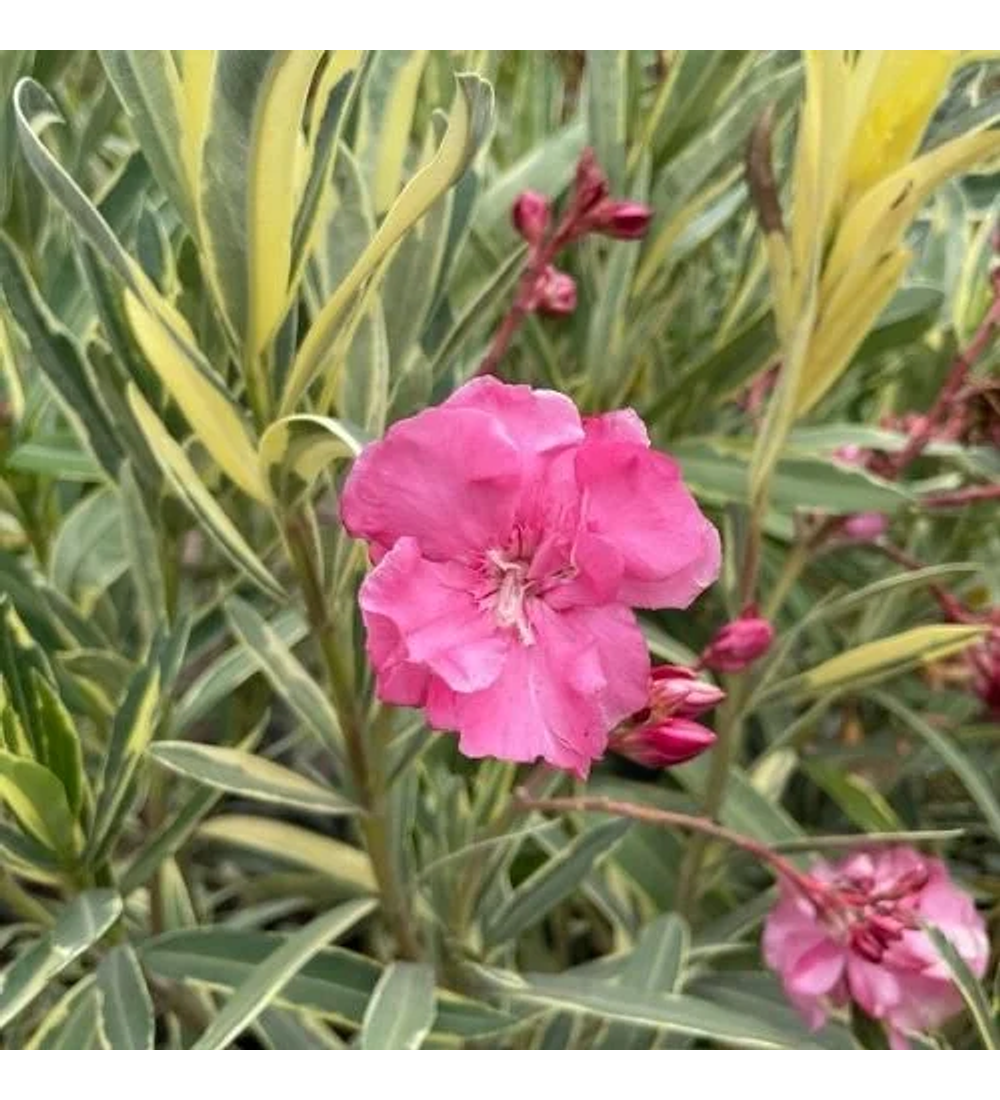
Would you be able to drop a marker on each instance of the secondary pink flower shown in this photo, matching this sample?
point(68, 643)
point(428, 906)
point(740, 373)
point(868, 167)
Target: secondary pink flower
point(512, 539)
point(858, 937)
point(739, 643)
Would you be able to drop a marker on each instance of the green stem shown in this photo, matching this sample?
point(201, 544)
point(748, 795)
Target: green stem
point(367, 772)
point(724, 753)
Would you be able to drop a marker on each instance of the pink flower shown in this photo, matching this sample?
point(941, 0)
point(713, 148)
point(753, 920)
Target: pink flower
point(554, 292)
point(662, 734)
point(858, 937)
point(739, 643)
point(511, 542)
point(531, 213)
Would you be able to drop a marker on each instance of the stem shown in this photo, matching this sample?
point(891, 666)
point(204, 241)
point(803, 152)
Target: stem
point(538, 260)
point(962, 496)
point(702, 826)
point(367, 774)
point(725, 751)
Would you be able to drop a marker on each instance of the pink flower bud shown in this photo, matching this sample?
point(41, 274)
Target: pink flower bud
point(625, 221)
point(591, 185)
point(678, 691)
point(662, 744)
point(555, 292)
point(738, 644)
point(866, 526)
point(530, 214)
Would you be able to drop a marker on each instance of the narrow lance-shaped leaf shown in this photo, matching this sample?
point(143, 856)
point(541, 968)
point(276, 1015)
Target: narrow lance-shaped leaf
point(80, 925)
point(401, 1011)
point(467, 127)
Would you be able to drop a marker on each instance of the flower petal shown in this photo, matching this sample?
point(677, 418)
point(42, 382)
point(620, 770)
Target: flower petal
point(876, 988)
point(448, 477)
point(817, 970)
point(537, 421)
point(634, 497)
point(559, 698)
point(440, 626)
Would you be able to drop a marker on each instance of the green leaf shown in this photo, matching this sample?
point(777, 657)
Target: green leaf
point(554, 881)
point(655, 964)
point(468, 125)
point(607, 111)
point(248, 192)
point(289, 843)
point(861, 801)
point(143, 550)
point(132, 730)
point(60, 360)
point(973, 777)
point(148, 84)
point(221, 679)
point(285, 674)
point(57, 460)
point(60, 749)
point(295, 450)
point(73, 1023)
point(970, 988)
point(266, 980)
point(878, 660)
point(717, 471)
point(252, 776)
point(38, 800)
point(126, 1008)
point(401, 1011)
point(676, 1011)
point(335, 984)
point(385, 118)
point(88, 554)
point(182, 477)
point(80, 925)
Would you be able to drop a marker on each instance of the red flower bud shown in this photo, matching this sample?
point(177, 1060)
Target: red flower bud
point(555, 292)
point(591, 185)
point(678, 691)
point(662, 744)
point(625, 221)
point(530, 214)
point(738, 644)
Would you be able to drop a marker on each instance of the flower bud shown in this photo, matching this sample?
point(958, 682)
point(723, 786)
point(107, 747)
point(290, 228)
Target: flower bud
point(738, 644)
point(866, 526)
point(625, 221)
point(555, 292)
point(530, 214)
point(678, 691)
point(664, 743)
point(591, 185)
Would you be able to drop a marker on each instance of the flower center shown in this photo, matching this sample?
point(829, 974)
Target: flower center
point(871, 919)
point(509, 589)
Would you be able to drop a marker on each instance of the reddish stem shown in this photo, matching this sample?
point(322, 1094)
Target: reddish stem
point(962, 496)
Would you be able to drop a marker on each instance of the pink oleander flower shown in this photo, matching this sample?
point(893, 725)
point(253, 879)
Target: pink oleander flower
point(512, 540)
point(663, 734)
point(854, 933)
point(739, 643)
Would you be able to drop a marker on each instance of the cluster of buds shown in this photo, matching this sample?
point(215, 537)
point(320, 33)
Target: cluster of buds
point(984, 660)
point(739, 643)
point(664, 733)
point(591, 210)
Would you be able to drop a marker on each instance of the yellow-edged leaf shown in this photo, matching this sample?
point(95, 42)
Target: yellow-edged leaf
point(468, 123)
